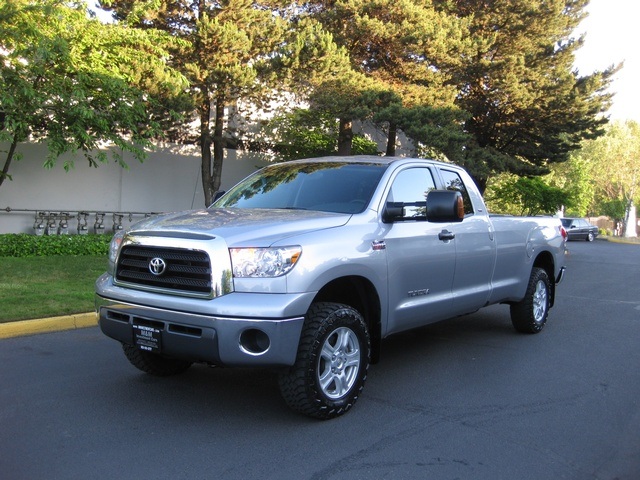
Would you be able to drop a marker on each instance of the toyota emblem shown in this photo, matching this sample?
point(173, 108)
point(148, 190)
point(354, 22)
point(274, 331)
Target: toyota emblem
point(157, 266)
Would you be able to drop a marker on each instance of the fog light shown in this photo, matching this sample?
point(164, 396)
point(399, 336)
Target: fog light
point(254, 341)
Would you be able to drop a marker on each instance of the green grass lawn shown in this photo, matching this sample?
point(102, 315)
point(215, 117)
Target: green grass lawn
point(39, 287)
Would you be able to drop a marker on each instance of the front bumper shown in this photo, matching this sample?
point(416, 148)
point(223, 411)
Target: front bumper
point(230, 341)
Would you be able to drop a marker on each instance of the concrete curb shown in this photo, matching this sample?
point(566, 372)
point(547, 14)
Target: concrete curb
point(47, 325)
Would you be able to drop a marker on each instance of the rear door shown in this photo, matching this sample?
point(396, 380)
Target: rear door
point(584, 228)
point(475, 250)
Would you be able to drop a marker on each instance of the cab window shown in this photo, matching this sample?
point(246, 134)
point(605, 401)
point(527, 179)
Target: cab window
point(411, 187)
point(452, 181)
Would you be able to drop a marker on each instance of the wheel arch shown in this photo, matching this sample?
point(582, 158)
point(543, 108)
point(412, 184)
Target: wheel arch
point(359, 293)
point(545, 261)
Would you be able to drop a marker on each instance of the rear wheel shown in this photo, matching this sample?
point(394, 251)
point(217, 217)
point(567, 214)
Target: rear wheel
point(530, 314)
point(331, 364)
point(590, 237)
point(154, 364)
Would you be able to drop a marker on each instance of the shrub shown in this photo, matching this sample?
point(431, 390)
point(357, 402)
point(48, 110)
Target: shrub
point(27, 245)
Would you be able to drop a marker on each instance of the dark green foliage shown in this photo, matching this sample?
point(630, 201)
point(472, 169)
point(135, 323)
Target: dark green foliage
point(528, 107)
point(361, 145)
point(76, 84)
point(305, 134)
point(26, 245)
point(438, 128)
point(302, 134)
point(614, 209)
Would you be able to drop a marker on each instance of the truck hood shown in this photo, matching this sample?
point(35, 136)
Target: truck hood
point(239, 227)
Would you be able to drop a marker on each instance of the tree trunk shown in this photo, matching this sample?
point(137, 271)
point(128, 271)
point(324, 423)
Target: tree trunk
point(218, 145)
point(481, 183)
point(630, 220)
point(345, 137)
point(211, 164)
point(7, 163)
point(391, 140)
point(205, 150)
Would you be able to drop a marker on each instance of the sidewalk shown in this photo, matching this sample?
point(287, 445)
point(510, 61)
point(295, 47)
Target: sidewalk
point(46, 325)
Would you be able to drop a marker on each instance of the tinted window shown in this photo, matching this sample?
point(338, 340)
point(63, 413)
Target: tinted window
point(452, 181)
point(411, 187)
point(327, 186)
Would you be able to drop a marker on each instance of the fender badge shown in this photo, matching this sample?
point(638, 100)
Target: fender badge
point(378, 245)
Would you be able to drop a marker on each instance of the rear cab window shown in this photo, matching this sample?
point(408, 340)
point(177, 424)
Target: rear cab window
point(453, 181)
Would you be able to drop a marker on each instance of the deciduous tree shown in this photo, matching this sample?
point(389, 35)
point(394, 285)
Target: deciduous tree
point(616, 166)
point(77, 84)
point(527, 196)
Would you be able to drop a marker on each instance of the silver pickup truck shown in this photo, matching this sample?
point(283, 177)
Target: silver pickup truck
point(306, 266)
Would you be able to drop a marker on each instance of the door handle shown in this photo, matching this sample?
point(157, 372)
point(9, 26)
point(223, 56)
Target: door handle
point(445, 235)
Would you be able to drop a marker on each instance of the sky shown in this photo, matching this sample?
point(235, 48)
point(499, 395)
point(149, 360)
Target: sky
point(612, 33)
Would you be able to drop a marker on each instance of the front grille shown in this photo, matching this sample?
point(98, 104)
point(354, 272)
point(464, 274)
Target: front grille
point(185, 271)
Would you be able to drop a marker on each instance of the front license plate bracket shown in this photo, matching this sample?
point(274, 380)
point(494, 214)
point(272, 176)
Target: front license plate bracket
point(147, 338)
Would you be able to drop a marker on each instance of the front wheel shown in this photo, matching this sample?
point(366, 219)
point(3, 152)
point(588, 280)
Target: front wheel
point(331, 364)
point(530, 314)
point(590, 237)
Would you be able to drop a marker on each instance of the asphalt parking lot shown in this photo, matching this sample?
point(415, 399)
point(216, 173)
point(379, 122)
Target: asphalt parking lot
point(464, 399)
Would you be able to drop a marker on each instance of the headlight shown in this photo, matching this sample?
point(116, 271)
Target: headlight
point(113, 251)
point(263, 262)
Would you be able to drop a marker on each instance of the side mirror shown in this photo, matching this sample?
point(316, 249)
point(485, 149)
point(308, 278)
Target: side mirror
point(216, 197)
point(393, 211)
point(445, 206)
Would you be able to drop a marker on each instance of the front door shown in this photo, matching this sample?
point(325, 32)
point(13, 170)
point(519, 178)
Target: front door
point(421, 266)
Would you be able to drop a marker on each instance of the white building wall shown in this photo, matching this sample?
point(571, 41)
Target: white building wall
point(168, 180)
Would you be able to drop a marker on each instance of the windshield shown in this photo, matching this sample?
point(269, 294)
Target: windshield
point(323, 186)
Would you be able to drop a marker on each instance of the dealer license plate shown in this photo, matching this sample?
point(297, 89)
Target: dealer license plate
point(147, 338)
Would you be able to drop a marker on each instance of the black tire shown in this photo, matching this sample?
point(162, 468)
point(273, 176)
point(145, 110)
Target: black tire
point(331, 364)
point(590, 237)
point(530, 314)
point(154, 364)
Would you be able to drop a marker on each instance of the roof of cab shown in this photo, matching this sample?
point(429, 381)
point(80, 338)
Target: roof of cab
point(375, 159)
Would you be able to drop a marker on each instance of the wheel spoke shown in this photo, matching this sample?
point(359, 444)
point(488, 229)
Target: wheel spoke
point(325, 379)
point(328, 351)
point(344, 336)
point(341, 385)
point(353, 359)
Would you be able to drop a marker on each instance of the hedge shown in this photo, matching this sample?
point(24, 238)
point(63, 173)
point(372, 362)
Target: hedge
point(27, 245)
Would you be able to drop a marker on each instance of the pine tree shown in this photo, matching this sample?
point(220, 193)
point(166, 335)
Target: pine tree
point(405, 49)
point(527, 106)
